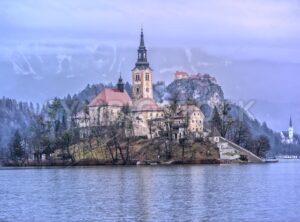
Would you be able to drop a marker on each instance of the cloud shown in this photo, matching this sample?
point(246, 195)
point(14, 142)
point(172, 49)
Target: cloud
point(243, 17)
point(226, 27)
point(244, 29)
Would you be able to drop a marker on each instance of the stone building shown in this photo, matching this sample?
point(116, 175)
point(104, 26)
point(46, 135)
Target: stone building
point(145, 109)
point(199, 76)
point(105, 108)
point(188, 119)
point(181, 75)
point(148, 118)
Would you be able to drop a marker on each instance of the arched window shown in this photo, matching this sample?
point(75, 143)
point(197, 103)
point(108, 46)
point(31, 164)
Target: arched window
point(137, 90)
point(137, 77)
point(147, 77)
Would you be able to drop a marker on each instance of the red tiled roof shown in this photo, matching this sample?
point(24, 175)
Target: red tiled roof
point(111, 97)
point(181, 73)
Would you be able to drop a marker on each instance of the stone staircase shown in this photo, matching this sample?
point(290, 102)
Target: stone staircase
point(232, 151)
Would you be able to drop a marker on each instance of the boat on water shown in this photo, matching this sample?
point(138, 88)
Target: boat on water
point(272, 160)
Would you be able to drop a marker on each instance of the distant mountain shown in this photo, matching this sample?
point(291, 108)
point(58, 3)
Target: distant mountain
point(33, 75)
point(37, 72)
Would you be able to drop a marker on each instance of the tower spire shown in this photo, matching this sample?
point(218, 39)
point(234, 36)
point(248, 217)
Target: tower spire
point(142, 43)
point(142, 86)
point(142, 62)
point(291, 131)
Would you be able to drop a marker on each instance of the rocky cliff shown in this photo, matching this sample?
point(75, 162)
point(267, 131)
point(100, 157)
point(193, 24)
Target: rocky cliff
point(207, 94)
point(204, 92)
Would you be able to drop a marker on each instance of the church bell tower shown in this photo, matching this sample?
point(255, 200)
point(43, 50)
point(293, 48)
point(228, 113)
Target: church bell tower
point(291, 131)
point(142, 74)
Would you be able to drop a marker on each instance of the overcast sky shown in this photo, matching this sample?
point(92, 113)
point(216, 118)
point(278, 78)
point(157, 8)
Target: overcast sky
point(266, 31)
point(264, 28)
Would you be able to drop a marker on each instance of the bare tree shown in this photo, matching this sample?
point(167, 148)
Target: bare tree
point(261, 146)
point(240, 133)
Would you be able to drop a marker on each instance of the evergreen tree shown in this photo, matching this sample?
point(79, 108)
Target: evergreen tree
point(222, 120)
point(216, 121)
point(16, 148)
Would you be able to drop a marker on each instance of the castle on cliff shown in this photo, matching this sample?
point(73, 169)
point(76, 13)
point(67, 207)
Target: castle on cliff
point(199, 76)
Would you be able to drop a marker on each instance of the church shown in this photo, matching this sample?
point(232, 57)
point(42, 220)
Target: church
point(107, 106)
point(288, 137)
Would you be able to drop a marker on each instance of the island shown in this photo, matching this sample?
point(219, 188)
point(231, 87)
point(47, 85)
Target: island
point(142, 123)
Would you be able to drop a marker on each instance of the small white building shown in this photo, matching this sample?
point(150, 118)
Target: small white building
point(288, 137)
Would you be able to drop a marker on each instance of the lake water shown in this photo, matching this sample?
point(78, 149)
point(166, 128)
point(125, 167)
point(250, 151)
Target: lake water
point(253, 192)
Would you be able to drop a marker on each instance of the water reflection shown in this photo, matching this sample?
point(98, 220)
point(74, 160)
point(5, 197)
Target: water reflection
point(180, 193)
